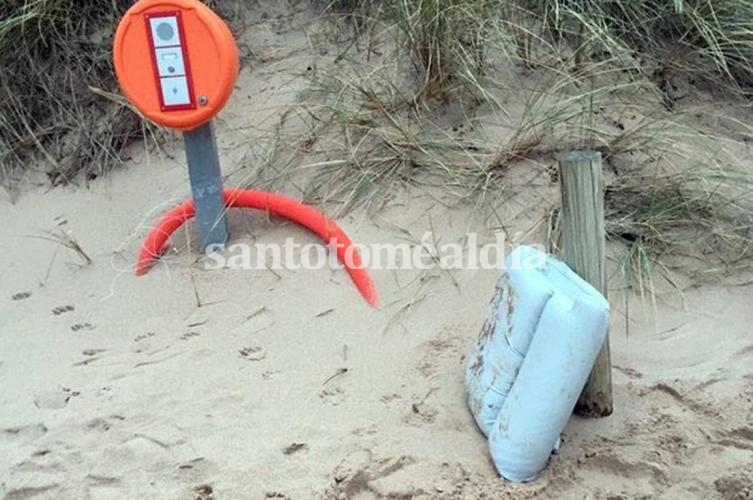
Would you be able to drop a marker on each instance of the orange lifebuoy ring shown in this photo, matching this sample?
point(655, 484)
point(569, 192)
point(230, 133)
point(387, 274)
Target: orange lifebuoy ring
point(282, 206)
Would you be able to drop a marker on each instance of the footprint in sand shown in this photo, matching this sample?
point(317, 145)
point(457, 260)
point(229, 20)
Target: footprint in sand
point(144, 336)
point(276, 495)
point(359, 475)
point(198, 465)
point(102, 424)
point(267, 375)
point(54, 399)
point(611, 463)
point(30, 492)
point(421, 412)
point(26, 433)
point(333, 396)
point(440, 354)
point(368, 430)
point(198, 471)
point(252, 353)
point(204, 492)
point(93, 352)
point(295, 448)
point(189, 335)
point(62, 310)
point(91, 355)
point(144, 343)
point(390, 398)
point(82, 327)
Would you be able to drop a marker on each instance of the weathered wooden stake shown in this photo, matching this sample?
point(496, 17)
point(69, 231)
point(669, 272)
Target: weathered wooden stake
point(584, 247)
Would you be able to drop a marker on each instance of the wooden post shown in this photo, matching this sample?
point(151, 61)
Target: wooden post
point(584, 250)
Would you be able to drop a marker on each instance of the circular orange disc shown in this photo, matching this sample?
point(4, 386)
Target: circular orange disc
point(176, 61)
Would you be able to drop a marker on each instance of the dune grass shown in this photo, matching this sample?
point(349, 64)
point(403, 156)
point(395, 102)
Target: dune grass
point(705, 39)
point(51, 53)
point(589, 75)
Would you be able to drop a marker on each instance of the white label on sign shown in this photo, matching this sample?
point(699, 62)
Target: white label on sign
point(175, 91)
point(170, 62)
point(165, 32)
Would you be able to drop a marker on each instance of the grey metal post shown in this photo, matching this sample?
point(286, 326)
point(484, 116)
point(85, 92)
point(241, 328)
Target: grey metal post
point(206, 185)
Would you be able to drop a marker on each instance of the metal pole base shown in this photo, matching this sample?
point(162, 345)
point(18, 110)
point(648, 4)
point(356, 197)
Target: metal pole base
point(206, 185)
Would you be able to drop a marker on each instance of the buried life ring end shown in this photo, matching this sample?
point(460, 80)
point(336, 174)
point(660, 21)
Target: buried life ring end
point(155, 241)
point(142, 269)
point(145, 263)
point(368, 292)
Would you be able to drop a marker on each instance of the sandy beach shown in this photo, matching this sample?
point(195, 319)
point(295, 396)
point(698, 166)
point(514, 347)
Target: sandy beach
point(242, 384)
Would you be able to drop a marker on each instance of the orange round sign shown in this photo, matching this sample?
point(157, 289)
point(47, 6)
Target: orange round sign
point(176, 61)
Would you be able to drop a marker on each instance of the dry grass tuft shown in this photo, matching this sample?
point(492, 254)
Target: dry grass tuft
point(51, 53)
point(590, 74)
